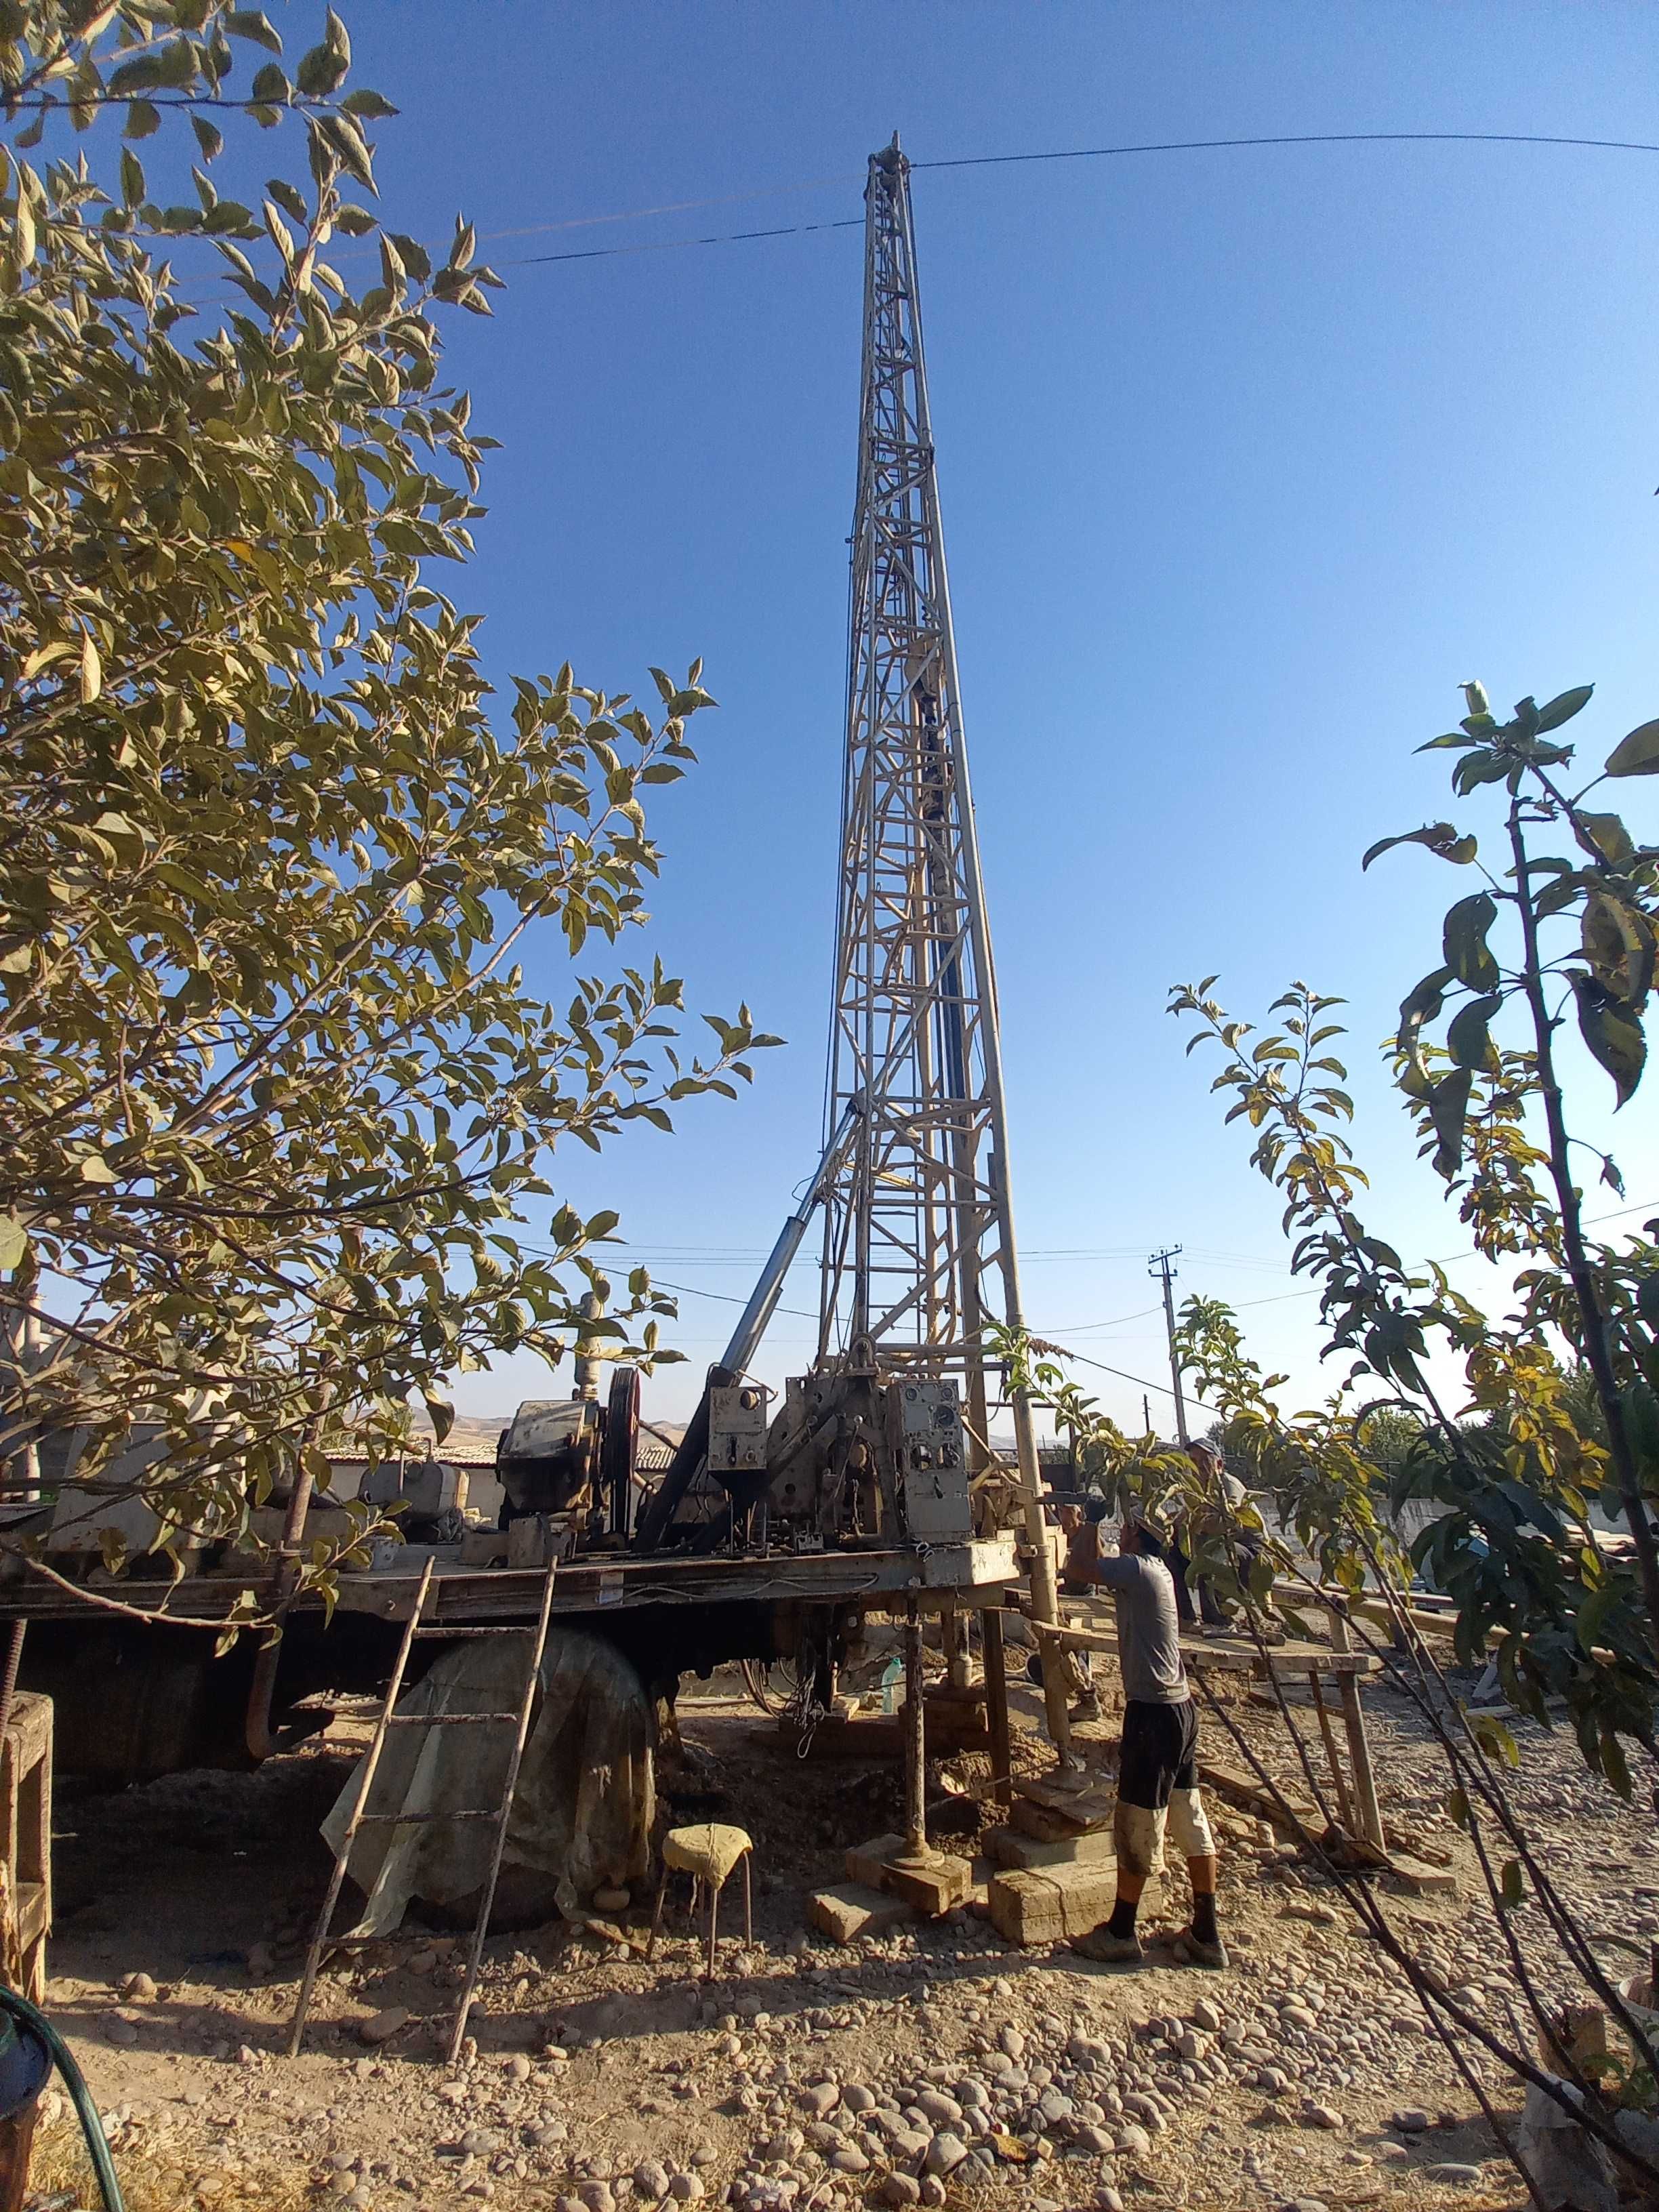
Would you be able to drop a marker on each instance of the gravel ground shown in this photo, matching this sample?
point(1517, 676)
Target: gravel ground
point(936, 2065)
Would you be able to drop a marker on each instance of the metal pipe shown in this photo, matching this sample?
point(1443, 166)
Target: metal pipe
point(915, 1739)
point(763, 1300)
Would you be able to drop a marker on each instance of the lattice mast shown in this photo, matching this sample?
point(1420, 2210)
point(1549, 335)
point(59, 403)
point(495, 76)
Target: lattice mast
point(918, 1240)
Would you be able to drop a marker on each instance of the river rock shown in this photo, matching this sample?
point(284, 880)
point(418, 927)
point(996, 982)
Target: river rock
point(1411, 2120)
point(381, 2026)
point(686, 2188)
point(821, 2099)
point(900, 2189)
point(945, 2154)
point(1453, 2175)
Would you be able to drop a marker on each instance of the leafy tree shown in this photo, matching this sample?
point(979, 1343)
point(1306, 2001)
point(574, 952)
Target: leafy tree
point(1559, 1413)
point(273, 1088)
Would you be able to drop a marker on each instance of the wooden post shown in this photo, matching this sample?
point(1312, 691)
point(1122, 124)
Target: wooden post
point(1367, 1810)
point(916, 1745)
point(1338, 1780)
point(996, 1706)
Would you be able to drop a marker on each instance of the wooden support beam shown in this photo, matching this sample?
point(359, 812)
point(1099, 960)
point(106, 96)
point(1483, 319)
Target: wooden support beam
point(996, 1706)
point(1368, 1811)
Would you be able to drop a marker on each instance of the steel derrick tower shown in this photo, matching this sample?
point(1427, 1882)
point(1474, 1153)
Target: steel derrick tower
point(918, 1240)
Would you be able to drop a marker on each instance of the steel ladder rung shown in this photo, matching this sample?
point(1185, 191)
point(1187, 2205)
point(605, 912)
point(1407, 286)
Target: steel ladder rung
point(508, 1628)
point(447, 1719)
point(419, 1819)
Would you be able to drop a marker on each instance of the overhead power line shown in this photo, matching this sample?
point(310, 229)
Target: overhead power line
point(1003, 161)
point(1298, 138)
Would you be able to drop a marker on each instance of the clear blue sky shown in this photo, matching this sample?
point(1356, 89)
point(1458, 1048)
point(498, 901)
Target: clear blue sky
point(1247, 459)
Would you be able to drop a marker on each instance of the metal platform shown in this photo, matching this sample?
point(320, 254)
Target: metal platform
point(968, 1573)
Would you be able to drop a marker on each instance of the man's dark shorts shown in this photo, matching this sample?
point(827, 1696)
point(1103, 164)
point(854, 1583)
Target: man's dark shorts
point(1160, 1752)
point(1157, 1782)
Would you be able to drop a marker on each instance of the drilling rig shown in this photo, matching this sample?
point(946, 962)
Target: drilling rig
point(880, 1441)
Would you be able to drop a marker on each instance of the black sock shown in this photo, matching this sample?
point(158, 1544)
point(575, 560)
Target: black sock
point(1204, 1925)
point(1122, 1922)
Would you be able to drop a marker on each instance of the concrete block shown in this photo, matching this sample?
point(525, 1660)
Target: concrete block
point(933, 1889)
point(1045, 1825)
point(849, 1911)
point(1046, 1904)
point(867, 1863)
point(1421, 1879)
point(1009, 1847)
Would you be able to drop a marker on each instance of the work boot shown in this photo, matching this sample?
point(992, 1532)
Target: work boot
point(1110, 1950)
point(1197, 1952)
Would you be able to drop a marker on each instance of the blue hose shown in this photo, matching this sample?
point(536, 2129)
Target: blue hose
point(92, 2127)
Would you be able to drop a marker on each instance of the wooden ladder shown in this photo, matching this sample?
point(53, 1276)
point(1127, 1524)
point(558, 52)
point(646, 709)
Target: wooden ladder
point(418, 1625)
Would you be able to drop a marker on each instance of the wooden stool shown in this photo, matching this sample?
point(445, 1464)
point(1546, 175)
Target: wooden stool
point(708, 1854)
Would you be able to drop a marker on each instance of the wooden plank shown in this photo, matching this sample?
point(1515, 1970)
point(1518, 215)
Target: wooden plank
point(1229, 1656)
point(1249, 1795)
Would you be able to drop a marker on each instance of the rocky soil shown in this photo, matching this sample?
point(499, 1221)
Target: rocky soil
point(935, 2064)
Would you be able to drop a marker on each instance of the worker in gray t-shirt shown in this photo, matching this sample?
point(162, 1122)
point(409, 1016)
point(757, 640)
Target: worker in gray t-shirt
point(1157, 1762)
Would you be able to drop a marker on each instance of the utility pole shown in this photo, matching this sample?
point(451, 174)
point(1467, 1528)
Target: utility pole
point(1159, 1266)
point(918, 1255)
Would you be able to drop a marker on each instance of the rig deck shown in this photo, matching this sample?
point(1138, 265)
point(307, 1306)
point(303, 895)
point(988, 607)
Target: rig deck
point(971, 1573)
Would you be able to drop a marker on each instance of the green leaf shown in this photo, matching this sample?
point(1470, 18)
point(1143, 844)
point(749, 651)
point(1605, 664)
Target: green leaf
point(250, 23)
point(1512, 1888)
point(13, 1242)
point(368, 107)
point(1494, 1739)
point(1464, 942)
point(1613, 1032)
point(321, 72)
point(1564, 707)
point(143, 119)
point(1606, 836)
point(1619, 943)
point(1449, 1107)
point(1468, 1037)
point(210, 139)
point(1457, 1808)
point(1638, 754)
point(1440, 837)
point(132, 178)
